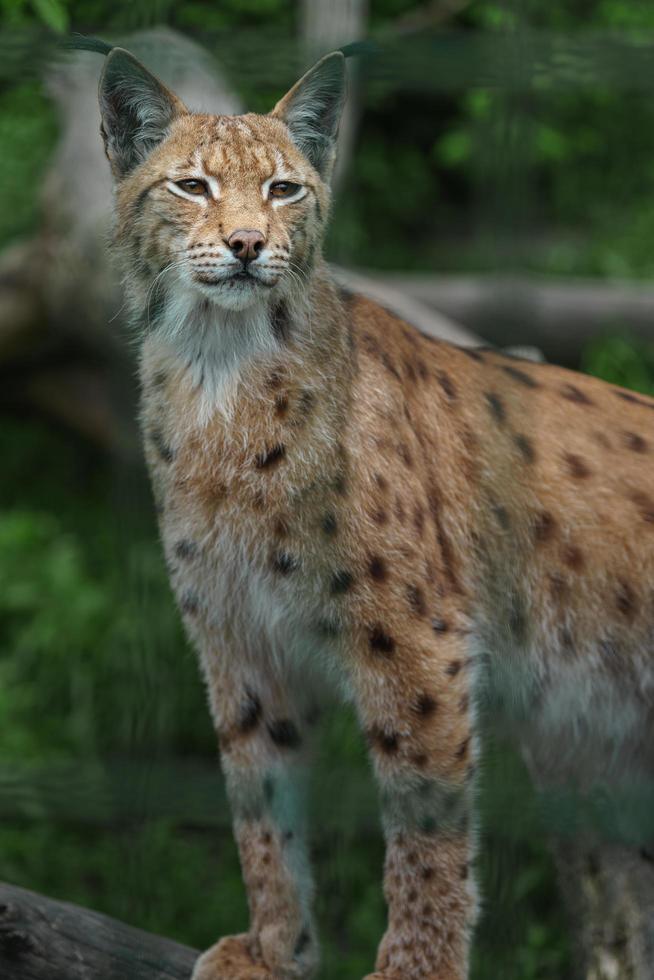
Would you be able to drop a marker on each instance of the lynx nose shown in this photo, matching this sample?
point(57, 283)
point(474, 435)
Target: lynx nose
point(245, 244)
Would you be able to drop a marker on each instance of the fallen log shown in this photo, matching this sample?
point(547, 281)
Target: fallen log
point(43, 939)
point(558, 317)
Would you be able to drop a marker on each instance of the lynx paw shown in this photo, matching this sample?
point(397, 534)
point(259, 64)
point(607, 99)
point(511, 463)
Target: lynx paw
point(230, 959)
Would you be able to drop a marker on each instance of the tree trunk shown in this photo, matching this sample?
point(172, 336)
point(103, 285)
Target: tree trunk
point(42, 939)
point(559, 317)
point(325, 27)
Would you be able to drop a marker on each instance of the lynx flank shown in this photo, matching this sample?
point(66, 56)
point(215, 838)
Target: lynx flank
point(340, 497)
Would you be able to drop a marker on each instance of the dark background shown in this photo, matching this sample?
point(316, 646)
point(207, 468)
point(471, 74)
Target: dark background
point(492, 138)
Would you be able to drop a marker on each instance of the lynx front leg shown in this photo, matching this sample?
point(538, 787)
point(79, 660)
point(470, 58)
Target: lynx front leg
point(261, 741)
point(418, 722)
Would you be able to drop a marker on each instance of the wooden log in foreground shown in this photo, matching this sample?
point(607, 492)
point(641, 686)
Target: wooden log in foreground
point(42, 939)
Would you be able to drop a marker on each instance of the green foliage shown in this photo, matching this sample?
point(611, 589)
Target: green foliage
point(27, 136)
point(22, 13)
point(622, 361)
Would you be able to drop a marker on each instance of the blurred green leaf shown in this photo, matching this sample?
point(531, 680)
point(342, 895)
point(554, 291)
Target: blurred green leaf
point(53, 13)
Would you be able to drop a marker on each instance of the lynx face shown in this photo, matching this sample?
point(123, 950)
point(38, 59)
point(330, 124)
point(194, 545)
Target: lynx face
point(225, 209)
point(229, 206)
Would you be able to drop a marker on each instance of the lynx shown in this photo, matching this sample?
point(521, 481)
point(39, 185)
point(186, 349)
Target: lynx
point(346, 503)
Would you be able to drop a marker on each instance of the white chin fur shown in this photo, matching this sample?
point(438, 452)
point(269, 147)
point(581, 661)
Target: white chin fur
point(230, 295)
point(214, 340)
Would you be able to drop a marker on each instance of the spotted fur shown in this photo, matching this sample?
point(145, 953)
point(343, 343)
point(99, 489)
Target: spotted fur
point(431, 529)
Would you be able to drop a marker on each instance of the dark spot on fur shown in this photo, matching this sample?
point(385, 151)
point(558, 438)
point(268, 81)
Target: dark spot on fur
point(428, 825)
point(340, 484)
point(281, 405)
point(380, 641)
point(329, 629)
point(405, 455)
point(525, 446)
point(190, 603)
point(280, 527)
point(439, 625)
point(186, 550)
point(573, 557)
point(341, 582)
point(284, 563)
point(427, 873)
point(502, 515)
point(625, 600)
point(576, 466)
point(418, 518)
point(379, 516)
point(165, 452)
point(453, 668)
point(328, 524)
point(518, 618)
point(284, 734)
point(520, 376)
point(567, 639)
point(280, 322)
point(462, 750)
point(389, 365)
point(574, 394)
point(387, 742)
point(302, 942)
point(381, 481)
point(426, 705)
point(434, 504)
point(634, 399)
point(422, 369)
point(635, 442)
point(495, 406)
point(416, 599)
point(447, 385)
point(419, 759)
point(377, 568)
point(305, 403)
point(645, 505)
point(270, 458)
point(268, 789)
point(274, 380)
point(473, 353)
point(544, 526)
point(251, 714)
point(410, 370)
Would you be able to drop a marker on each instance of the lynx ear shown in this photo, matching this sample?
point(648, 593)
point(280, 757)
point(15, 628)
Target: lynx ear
point(136, 111)
point(312, 111)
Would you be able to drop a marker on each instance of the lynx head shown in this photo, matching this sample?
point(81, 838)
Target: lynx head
point(226, 211)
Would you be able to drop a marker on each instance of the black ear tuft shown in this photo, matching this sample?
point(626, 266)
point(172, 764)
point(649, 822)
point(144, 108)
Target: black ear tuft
point(136, 110)
point(312, 111)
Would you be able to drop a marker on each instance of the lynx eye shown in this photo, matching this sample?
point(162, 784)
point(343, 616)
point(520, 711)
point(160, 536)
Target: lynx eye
point(192, 186)
point(283, 188)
